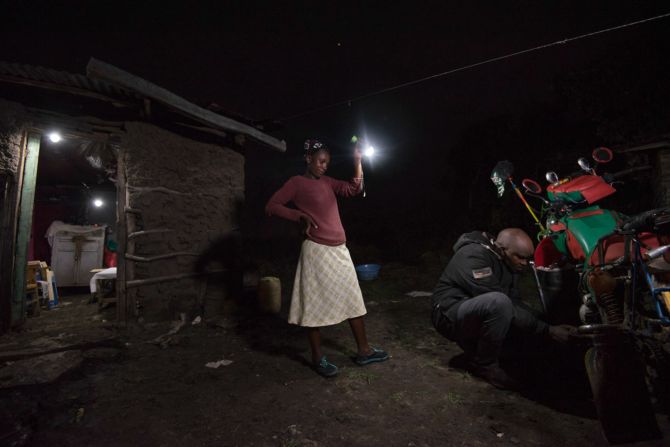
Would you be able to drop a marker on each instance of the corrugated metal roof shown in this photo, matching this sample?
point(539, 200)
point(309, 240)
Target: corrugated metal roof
point(48, 76)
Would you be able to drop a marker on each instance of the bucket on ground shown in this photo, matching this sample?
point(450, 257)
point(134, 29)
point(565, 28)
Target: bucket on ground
point(367, 272)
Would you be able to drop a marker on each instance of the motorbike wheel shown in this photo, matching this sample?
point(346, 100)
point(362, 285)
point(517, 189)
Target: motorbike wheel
point(616, 375)
point(657, 365)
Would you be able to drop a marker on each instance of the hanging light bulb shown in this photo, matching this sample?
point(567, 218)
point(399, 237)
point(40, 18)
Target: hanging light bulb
point(55, 137)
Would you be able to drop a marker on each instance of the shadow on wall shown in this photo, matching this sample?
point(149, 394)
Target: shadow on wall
point(227, 253)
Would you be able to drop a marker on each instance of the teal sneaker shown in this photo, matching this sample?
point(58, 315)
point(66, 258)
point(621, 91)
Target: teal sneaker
point(325, 368)
point(377, 355)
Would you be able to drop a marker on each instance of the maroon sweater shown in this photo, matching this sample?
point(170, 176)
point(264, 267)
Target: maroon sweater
point(316, 199)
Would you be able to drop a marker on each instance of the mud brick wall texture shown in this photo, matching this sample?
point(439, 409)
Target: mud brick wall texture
point(192, 188)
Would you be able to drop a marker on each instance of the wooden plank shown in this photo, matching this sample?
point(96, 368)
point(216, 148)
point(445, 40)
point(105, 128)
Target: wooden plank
point(77, 127)
point(110, 73)
point(149, 232)
point(175, 254)
point(209, 130)
point(177, 277)
point(121, 234)
point(24, 226)
point(131, 227)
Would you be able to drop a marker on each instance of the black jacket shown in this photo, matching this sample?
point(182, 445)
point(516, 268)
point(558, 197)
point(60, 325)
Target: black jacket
point(477, 268)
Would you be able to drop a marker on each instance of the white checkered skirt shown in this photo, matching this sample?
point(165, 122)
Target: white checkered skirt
point(325, 290)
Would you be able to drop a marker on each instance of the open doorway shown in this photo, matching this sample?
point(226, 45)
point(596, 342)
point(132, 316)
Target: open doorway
point(73, 231)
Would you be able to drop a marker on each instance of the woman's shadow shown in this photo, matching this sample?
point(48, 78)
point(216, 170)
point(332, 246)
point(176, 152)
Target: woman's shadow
point(263, 332)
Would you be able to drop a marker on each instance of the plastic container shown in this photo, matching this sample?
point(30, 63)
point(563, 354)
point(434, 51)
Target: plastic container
point(367, 272)
point(53, 289)
point(269, 294)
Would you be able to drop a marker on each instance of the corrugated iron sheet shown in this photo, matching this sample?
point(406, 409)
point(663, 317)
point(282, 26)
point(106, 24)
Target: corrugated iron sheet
point(62, 78)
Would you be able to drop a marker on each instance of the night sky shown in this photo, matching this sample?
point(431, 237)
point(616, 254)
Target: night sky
point(438, 140)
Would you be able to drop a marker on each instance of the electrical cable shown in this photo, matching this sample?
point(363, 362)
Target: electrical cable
point(476, 64)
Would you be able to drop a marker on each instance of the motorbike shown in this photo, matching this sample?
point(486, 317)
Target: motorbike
point(622, 268)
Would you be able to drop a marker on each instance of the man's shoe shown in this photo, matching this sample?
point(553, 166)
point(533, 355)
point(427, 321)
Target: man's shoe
point(494, 375)
point(460, 361)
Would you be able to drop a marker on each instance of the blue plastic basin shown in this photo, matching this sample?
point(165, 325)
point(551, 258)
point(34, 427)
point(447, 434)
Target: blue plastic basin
point(367, 272)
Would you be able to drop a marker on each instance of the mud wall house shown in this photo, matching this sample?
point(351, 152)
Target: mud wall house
point(170, 174)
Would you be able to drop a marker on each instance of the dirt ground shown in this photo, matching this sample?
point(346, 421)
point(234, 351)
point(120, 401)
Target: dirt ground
point(133, 391)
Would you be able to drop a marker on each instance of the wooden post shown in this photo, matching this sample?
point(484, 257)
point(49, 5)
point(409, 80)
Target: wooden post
point(24, 226)
point(6, 251)
point(9, 212)
point(131, 228)
point(121, 232)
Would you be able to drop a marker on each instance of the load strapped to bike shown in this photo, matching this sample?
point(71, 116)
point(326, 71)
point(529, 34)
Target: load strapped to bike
point(611, 273)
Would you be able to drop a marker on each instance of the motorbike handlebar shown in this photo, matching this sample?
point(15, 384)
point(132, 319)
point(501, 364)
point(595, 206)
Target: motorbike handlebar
point(652, 220)
point(609, 178)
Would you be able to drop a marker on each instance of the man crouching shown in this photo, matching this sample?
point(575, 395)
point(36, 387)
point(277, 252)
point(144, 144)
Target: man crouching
point(476, 301)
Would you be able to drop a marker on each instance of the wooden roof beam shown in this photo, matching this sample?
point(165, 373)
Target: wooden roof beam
point(101, 70)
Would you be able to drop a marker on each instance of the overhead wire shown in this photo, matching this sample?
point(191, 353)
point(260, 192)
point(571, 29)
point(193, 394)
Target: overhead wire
point(473, 65)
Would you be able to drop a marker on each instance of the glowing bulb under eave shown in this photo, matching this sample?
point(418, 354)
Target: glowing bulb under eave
point(369, 151)
point(55, 137)
point(98, 203)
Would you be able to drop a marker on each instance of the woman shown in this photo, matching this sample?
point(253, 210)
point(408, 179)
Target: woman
point(325, 290)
